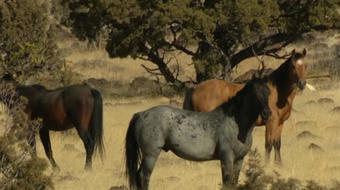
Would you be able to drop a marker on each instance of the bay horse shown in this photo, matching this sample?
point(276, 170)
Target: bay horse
point(76, 106)
point(282, 82)
point(223, 134)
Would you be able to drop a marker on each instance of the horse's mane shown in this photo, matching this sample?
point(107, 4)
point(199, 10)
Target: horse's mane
point(38, 86)
point(233, 105)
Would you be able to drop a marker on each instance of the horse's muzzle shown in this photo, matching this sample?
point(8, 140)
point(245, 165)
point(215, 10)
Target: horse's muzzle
point(265, 114)
point(301, 84)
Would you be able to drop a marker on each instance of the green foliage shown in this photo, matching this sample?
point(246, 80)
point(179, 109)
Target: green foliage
point(19, 167)
point(212, 32)
point(27, 48)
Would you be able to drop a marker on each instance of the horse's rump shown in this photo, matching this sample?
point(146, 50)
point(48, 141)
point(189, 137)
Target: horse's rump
point(212, 93)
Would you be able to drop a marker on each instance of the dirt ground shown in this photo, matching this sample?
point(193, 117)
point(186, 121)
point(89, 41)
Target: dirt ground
point(300, 159)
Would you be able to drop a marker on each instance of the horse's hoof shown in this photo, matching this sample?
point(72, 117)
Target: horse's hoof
point(56, 168)
point(228, 187)
point(88, 168)
point(278, 164)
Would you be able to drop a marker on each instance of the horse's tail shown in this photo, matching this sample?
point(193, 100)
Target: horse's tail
point(96, 125)
point(132, 154)
point(187, 104)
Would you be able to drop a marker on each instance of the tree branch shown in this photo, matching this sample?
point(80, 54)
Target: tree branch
point(267, 45)
point(152, 71)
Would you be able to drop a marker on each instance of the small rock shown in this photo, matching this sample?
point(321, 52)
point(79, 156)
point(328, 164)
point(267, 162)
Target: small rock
point(336, 110)
point(315, 147)
point(306, 135)
point(310, 102)
point(325, 101)
point(70, 147)
point(68, 178)
point(122, 187)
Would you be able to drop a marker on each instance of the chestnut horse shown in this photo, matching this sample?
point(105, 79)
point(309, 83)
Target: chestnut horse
point(76, 106)
point(282, 83)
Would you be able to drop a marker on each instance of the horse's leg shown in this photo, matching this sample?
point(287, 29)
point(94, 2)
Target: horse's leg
point(145, 171)
point(237, 170)
point(272, 123)
point(82, 126)
point(227, 166)
point(45, 139)
point(89, 147)
point(277, 144)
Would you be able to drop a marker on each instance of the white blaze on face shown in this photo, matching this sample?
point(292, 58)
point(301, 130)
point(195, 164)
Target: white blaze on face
point(299, 62)
point(310, 87)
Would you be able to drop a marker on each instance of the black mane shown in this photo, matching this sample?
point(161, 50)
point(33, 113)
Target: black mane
point(245, 112)
point(233, 105)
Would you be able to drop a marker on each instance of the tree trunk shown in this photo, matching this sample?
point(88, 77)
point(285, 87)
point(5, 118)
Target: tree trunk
point(163, 68)
point(227, 71)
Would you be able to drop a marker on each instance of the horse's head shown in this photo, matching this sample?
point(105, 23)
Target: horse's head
point(8, 78)
point(298, 68)
point(261, 92)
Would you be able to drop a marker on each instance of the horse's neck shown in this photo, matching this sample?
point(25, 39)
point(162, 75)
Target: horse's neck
point(246, 127)
point(280, 79)
point(245, 118)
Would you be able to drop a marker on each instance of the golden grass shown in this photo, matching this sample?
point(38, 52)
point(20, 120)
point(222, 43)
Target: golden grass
point(121, 69)
point(172, 172)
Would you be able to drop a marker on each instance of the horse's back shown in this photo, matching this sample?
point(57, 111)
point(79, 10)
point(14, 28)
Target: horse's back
point(210, 94)
point(185, 133)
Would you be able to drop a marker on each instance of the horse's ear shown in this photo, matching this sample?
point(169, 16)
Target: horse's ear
point(293, 54)
point(304, 52)
point(7, 77)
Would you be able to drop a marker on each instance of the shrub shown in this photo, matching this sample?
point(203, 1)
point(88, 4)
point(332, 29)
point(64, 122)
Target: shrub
point(28, 48)
point(19, 166)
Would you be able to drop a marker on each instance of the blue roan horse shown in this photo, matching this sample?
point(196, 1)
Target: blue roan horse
point(224, 134)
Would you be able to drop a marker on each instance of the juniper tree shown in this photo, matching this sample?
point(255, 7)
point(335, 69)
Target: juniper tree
point(218, 35)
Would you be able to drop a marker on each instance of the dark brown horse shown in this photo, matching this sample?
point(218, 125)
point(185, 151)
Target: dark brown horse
point(76, 106)
point(282, 82)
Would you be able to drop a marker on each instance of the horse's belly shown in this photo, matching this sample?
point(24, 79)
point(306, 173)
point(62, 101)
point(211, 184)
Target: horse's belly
point(194, 156)
point(58, 125)
point(197, 150)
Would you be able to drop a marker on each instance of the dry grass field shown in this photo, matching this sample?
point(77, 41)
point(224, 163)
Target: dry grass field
point(310, 142)
point(300, 160)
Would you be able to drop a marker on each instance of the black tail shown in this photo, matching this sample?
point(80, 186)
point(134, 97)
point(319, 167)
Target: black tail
point(132, 154)
point(96, 126)
point(187, 104)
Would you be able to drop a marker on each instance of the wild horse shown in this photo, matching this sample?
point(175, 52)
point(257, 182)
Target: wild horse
point(282, 84)
point(76, 106)
point(223, 134)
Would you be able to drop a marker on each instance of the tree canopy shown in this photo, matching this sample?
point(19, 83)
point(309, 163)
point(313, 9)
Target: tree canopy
point(217, 34)
point(27, 48)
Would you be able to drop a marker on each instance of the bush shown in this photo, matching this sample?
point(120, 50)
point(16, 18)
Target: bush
point(19, 166)
point(257, 179)
point(28, 48)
